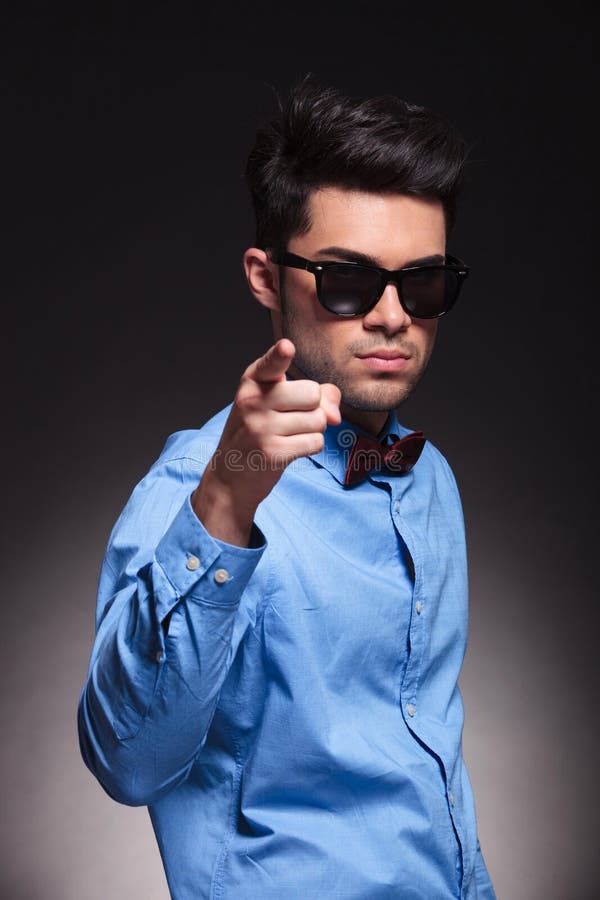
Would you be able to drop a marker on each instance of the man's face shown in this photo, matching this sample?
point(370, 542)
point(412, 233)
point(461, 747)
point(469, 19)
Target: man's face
point(394, 230)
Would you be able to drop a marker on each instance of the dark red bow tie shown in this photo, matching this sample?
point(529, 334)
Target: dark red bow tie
point(397, 458)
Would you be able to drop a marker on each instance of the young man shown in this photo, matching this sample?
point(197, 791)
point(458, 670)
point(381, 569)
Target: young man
point(282, 609)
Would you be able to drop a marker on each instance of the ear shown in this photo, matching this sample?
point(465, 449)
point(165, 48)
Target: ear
point(263, 277)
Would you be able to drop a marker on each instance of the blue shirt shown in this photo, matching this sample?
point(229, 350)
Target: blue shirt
point(289, 711)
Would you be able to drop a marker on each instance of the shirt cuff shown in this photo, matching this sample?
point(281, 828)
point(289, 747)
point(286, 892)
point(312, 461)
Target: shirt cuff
point(191, 562)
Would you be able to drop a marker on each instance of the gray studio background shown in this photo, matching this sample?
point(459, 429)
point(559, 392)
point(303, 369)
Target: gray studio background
point(127, 318)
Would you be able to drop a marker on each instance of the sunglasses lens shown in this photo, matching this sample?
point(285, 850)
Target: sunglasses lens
point(349, 290)
point(427, 293)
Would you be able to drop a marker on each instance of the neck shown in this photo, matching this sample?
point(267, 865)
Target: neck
point(371, 421)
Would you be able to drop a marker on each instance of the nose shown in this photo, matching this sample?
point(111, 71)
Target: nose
point(388, 314)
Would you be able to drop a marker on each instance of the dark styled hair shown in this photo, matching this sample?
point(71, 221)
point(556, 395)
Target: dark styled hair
point(322, 138)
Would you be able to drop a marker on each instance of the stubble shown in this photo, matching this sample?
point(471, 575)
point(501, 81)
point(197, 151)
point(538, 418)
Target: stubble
point(382, 392)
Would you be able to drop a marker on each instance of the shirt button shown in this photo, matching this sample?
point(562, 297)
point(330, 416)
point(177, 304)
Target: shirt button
point(411, 709)
point(221, 576)
point(398, 506)
point(451, 798)
point(419, 607)
point(159, 655)
point(192, 563)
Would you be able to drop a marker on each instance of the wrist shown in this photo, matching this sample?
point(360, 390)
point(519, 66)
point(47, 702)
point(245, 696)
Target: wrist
point(222, 512)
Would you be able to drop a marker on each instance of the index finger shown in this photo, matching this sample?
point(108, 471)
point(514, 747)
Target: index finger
point(273, 364)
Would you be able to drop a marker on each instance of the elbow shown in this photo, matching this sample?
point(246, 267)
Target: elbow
point(119, 775)
point(127, 786)
point(122, 790)
point(109, 760)
point(122, 766)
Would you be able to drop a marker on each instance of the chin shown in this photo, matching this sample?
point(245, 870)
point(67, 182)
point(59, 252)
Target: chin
point(378, 399)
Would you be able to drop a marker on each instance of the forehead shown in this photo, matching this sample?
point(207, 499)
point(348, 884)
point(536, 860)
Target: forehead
point(386, 226)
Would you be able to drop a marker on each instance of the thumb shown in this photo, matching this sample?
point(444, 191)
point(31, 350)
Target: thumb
point(330, 401)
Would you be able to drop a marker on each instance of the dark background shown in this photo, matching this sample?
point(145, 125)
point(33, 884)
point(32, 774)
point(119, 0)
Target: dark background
point(127, 317)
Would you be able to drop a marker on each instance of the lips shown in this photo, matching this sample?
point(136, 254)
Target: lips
point(383, 354)
point(385, 360)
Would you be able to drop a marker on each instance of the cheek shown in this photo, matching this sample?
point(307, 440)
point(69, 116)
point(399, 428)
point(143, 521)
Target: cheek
point(301, 287)
point(430, 332)
point(339, 335)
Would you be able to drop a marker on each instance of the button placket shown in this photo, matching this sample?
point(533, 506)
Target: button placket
point(408, 692)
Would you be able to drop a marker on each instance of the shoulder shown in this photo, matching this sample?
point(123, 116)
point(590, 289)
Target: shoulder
point(433, 473)
point(432, 462)
point(159, 495)
point(194, 445)
point(437, 464)
point(181, 463)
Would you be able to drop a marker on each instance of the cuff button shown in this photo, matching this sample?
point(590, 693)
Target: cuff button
point(221, 576)
point(192, 563)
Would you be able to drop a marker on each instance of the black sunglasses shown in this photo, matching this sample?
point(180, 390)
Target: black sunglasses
point(352, 289)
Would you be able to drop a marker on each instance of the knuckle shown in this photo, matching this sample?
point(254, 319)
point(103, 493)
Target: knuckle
point(252, 431)
point(244, 401)
point(314, 392)
point(277, 445)
point(321, 419)
point(255, 429)
point(316, 443)
point(310, 393)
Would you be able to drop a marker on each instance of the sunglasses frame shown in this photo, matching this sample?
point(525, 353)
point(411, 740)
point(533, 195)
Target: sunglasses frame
point(453, 263)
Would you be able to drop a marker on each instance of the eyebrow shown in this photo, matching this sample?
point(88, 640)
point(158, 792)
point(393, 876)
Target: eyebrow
point(368, 260)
